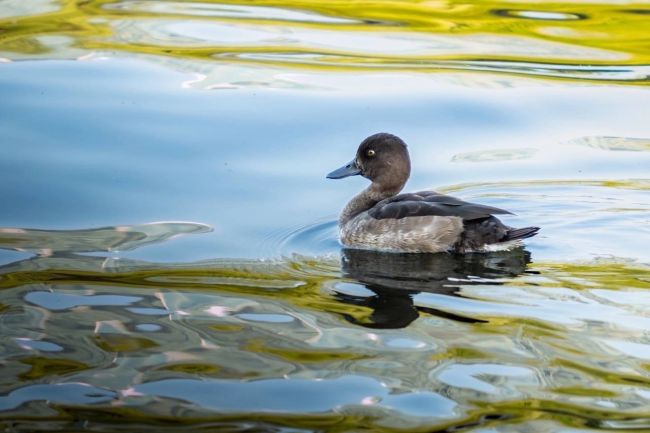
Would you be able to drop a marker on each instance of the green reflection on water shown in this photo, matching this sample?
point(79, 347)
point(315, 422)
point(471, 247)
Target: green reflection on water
point(218, 324)
point(551, 331)
point(600, 41)
point(43, 367)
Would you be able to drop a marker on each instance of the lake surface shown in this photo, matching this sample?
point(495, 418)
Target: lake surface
point(168, 245)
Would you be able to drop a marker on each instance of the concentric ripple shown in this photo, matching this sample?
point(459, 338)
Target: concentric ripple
point(316, 239)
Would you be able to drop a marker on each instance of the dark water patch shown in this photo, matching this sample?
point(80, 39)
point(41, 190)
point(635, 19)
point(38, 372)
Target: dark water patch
point(636, 11)
point(539, 15)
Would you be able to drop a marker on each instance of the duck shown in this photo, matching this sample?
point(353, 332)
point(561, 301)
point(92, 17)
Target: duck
point(380, 218)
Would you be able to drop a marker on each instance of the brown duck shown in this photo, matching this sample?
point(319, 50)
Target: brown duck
point(380, 218)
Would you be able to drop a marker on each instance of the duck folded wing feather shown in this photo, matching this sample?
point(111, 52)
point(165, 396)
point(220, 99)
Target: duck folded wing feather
point(429, 203)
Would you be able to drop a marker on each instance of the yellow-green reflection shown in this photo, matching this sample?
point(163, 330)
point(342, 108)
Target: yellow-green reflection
point(599, 41)
point(492, 341)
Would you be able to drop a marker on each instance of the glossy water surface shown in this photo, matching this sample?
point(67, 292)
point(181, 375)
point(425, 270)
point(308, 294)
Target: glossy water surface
point(168, 245)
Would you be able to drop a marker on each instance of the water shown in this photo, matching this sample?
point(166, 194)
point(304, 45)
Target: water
point(168, 243)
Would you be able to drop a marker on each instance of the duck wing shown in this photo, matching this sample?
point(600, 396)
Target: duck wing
point(426, 203)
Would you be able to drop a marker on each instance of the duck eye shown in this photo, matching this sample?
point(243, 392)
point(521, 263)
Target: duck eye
point(371, 152)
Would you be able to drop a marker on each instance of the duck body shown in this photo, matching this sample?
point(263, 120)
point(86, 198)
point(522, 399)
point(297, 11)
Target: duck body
point(380, 218)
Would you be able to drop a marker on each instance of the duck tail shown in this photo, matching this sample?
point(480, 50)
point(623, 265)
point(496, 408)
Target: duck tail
point(523, 233)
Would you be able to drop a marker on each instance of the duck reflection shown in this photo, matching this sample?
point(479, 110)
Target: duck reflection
point(392, 279)
point(395, 278)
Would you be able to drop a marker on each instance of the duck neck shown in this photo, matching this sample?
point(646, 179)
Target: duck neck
point(365, 200)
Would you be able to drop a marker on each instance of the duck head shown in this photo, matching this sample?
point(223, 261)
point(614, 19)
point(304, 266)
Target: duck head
point(381, 158)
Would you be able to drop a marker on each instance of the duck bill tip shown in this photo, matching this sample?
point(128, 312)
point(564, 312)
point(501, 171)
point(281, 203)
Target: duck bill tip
point(349, 169)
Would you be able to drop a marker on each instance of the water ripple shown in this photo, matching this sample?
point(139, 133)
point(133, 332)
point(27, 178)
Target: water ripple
point(234, 11)
point(65, 393)
point(539, 15)
point(315, 239)
point(592, 42)
point(424, 341)
point(550, 337)
point(118, 238)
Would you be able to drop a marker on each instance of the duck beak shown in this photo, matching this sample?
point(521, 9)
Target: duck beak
point(349, 169)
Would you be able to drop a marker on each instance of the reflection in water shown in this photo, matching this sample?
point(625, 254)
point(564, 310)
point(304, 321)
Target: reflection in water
point(395, 278)
point(494, 155)
point(262, 345)
point(627, 144)
point(64, 393)
point(313, 342)
point(588, 41)
point(118, 238)
point(539, 15)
